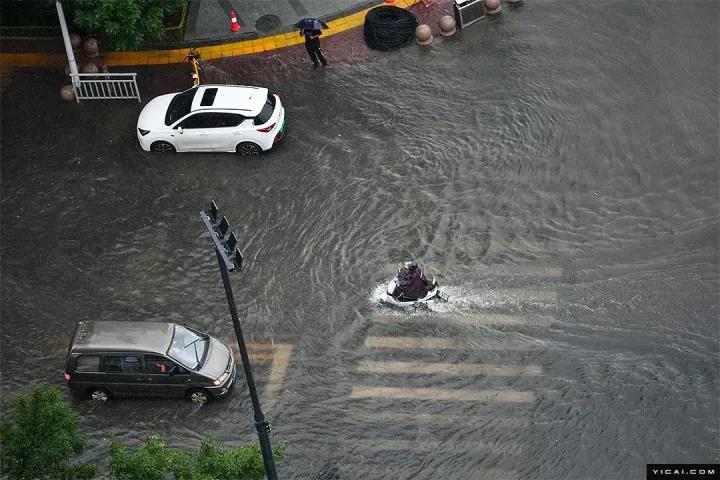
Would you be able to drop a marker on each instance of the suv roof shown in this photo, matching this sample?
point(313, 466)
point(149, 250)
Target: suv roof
point(114, 336)
point(248, 100)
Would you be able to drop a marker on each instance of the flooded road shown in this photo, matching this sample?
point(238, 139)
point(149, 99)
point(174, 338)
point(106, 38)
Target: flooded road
point(555, 168)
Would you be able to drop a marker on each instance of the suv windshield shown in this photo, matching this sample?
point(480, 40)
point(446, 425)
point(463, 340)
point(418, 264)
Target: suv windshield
point(179, 106)
point(266, 111)
point(188, 347)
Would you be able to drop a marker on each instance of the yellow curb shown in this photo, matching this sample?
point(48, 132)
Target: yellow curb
point(157, 57)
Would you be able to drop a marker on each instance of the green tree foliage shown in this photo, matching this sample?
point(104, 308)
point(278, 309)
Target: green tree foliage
point(154, 460)
point(127, 24)
point(40, 439)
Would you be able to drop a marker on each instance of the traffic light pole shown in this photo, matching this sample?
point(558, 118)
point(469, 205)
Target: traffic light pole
point(261, 424)
point(230, 258)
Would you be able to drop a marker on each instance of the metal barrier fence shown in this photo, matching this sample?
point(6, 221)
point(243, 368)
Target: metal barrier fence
point(105, 86)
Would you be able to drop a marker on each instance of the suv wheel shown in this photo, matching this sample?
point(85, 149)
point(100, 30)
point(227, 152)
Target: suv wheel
point(248, 149)
point(162, 147)
point(99, 395)
point(198, 396)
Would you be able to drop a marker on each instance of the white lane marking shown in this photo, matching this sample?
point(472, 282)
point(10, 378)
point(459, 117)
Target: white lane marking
point(273, 389)
point(450, 368)
point(414, 342)
point(441, 418)
point(528, 295)
point(467, 319)
point(499, 270)
point(514, 345)
point(279, 354)
point(487, 395)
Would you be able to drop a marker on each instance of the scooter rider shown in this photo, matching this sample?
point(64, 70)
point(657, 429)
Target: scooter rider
point(411, 281)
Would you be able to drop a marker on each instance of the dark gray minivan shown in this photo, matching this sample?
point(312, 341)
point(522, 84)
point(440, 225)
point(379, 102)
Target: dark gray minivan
point(147, 359)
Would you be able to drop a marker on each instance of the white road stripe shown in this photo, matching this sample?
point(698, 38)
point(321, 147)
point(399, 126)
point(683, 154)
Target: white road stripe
point(428, 445)
point(414, 342)
point(273, 388)
point(491, 343)
point(450, 368)
point(488, 395)
point(467, 319)
point(528, 295)
point(527, 270)
point(442, 418)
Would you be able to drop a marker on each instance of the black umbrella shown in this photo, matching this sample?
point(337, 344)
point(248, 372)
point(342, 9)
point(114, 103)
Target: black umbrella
point(310, 24)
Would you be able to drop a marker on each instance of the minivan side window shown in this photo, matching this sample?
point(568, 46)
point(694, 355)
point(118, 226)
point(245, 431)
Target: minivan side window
point(158, 365)
point(88, 363)
point(122, 364)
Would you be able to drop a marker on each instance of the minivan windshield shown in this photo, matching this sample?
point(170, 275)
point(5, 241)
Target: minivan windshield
point(188, 347)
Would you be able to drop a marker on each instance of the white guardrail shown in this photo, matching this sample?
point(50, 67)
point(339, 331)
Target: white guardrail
point(105, 86)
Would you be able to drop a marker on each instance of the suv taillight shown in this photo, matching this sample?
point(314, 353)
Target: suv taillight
point(266, 129)
point(66, 377)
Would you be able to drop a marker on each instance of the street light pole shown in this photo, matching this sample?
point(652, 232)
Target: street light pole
point(228, 264)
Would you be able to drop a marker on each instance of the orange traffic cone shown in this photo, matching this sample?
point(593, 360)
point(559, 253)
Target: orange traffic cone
point(234, 25)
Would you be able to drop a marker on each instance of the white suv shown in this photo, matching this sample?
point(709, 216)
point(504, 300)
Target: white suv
point(212, 118)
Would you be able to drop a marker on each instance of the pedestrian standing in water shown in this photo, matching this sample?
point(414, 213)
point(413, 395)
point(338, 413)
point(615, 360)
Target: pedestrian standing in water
point(312, 45)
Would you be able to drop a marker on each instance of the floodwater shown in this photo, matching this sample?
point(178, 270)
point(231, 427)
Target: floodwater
point(556, 168)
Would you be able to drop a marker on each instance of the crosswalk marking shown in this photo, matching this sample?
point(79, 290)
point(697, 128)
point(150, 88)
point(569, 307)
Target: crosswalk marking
point(467, 319)
point(509, 396)
point(519, 343)
point(414, 342)
point(424, 444)
point(274, 384)
point(449, 368)
point(529, 295)
point(498, 270)
point(441, 418)
point(279, 354)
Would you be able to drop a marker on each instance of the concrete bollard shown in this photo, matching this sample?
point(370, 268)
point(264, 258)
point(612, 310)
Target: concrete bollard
point(423, 35)
point(447, 25)
point(75, 41)
point(67, 93)
point(91, 48)
point(90, 67)
point(492, 6)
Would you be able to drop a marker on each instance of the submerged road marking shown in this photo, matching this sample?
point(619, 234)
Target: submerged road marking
point(467, 319)
point(279, 354)
point(277, 375)
point(414, 342)
point(499, 270)
point(488, 395)
point(449, 368)
point(442, 418)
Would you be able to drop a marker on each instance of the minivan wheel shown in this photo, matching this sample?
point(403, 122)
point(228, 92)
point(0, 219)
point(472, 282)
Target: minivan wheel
point(198, 396)
point(99, 395)
point(248, 149)
point(162, 147)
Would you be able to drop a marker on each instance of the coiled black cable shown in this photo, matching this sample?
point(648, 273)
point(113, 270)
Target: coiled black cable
point(389, 28)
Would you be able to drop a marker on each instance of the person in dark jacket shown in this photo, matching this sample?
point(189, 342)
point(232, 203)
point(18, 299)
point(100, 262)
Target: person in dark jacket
point(312, 45)
point(412, 282)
